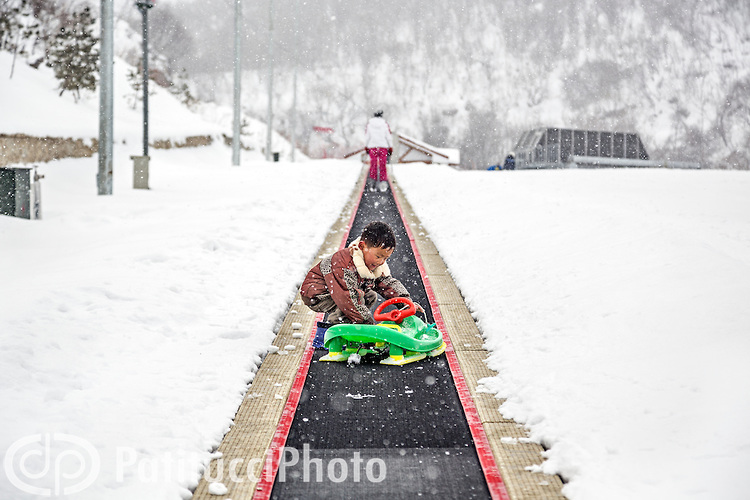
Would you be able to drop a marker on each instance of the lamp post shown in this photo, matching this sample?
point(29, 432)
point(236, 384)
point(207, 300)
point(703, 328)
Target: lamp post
point(140, 167)
point(144, 6)
point(294, 82)
point(269, 120)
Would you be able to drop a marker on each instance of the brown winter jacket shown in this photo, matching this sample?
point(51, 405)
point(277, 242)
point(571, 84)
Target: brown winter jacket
point(344, 276)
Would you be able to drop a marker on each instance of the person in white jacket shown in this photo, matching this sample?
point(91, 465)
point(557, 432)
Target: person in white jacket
point(379, 145)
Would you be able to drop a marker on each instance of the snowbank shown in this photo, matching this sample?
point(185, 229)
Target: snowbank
point(614, 304)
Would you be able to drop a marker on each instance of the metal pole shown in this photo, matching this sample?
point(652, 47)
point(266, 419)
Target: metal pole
point(143, 6)
point(106, 103)
point(294, 81)
point(269, 122)
point(237, 82)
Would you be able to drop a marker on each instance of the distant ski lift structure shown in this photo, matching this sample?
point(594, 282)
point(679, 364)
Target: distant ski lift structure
point(570, 148)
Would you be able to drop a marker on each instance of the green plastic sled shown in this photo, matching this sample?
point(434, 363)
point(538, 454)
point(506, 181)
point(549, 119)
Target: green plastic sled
point(404, 336)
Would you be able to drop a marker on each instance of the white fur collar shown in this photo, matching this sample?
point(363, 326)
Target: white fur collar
point(359, 263)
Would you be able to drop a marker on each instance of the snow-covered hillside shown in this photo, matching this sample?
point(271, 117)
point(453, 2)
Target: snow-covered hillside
point(474, 74)
point(31, 106)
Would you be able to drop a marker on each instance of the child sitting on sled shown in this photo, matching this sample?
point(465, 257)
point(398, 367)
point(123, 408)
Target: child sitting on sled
point(346, 284)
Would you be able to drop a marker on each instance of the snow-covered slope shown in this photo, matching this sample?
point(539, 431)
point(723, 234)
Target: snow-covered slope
point(31, 106)
point(474, 74)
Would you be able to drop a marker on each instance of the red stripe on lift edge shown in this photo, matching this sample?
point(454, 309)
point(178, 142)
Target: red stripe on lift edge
point(482, 444)
point(273, 459)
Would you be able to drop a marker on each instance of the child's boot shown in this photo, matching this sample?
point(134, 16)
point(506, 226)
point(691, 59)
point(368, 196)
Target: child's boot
point(320, 333)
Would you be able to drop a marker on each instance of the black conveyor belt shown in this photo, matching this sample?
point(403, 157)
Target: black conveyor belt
point(377, 431)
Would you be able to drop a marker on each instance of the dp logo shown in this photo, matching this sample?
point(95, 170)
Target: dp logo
point(52, 464)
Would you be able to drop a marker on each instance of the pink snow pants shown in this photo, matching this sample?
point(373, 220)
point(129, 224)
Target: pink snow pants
point(378, 158)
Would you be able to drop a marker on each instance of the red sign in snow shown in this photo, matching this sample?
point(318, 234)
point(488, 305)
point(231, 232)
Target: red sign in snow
point(325, 130)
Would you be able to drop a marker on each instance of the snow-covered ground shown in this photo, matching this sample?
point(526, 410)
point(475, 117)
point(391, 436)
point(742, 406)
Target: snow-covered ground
point(615, 307)
point(613, 303)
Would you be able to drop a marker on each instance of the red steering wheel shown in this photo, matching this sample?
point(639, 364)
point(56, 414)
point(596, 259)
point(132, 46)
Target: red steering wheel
point(397, 315)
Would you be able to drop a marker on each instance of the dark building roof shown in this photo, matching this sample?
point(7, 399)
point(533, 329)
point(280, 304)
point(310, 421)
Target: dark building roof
point(557, 147)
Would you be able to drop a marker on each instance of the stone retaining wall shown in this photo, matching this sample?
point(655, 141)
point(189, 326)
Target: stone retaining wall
point(21, 148)
point(194, 141)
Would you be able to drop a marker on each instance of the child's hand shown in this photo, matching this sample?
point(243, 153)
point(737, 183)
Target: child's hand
point(419, 308)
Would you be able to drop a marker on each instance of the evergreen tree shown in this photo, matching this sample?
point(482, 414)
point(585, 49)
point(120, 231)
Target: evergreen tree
point(136, 82)
point(74, 55)
point(10, 26)
point(180, 89)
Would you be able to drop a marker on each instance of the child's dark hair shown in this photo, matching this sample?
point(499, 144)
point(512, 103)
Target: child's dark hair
point(378, 234)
